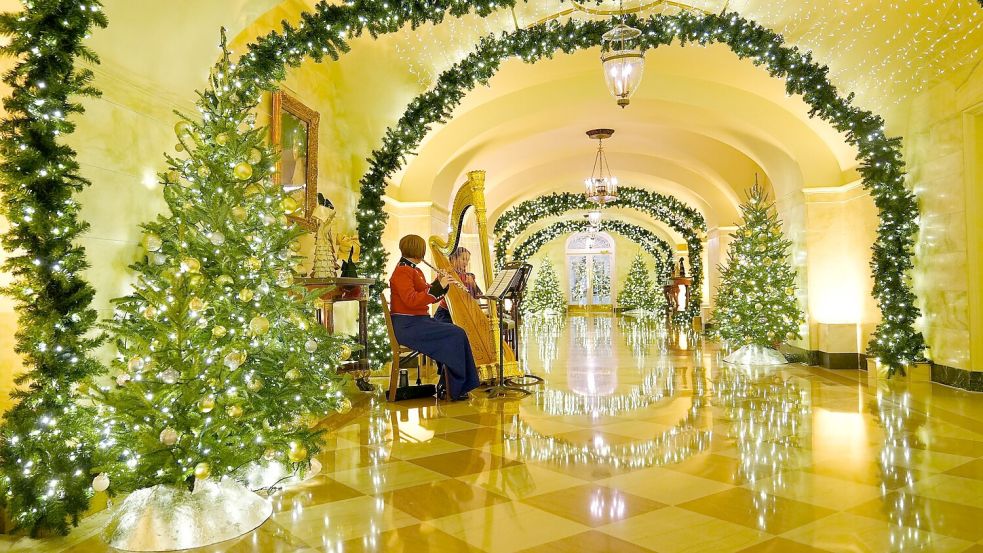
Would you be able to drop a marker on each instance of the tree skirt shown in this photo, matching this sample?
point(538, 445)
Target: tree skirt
point(756, 355)
point(168, 518)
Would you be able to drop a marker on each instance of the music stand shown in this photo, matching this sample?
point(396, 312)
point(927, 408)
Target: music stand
point(500, 289)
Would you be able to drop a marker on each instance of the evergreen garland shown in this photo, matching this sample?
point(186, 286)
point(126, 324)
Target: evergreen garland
point(756, 301)
point(645, 238)
point(680, 217)
point(545, 296)
point(47, 439)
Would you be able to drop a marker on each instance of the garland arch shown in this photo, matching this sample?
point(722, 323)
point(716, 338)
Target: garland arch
point(680, 217)
point(659, 248)
point(323, 32)
point(894, 342)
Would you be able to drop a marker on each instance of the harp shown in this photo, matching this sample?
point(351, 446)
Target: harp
point(481, 327)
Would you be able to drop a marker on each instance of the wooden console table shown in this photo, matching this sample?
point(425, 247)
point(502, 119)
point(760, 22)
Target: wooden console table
point(338, 289)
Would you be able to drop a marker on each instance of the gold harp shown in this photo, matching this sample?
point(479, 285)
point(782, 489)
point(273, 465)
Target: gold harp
point(482, 329)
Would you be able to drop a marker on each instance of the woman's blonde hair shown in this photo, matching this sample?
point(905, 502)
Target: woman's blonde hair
point(412, 246)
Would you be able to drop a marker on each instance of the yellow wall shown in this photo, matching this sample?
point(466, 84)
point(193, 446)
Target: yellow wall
point(943, 162)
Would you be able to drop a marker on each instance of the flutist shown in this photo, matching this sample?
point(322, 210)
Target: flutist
point(443, 342)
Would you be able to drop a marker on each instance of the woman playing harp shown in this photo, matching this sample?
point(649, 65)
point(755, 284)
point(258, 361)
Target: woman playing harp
point(459, 258)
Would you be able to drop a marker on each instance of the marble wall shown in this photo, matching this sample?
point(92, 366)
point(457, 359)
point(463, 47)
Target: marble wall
point(943, 162)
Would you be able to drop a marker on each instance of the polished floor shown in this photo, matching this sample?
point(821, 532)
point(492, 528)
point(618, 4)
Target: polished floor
point(640, 440)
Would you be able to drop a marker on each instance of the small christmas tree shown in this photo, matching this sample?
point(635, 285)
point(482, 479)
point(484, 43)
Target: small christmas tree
point(579, 286)
point(220, 363)
point(545, 295)
point(601, 282)
point(638, 293)
point(756, 302)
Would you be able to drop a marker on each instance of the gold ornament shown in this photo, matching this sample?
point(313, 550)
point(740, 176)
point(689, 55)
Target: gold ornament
point(235, 359)
point(239, 214)
point(206, 404)
point(152, 242)
point(289, 205)
point(295, 246)
point(255, 385)
point(204, 171)
point(259, 325)
point(234, 411)
point(219, 331)
point(345, 352)
point(196, 280)
point(254, 263)
point(789, 291)
point(150, 312)
point(293, 374)
point(203, 471)
point(245, 294)
point(344, 406)
point(255, 156)
point(221, 138)
point(223, 280)
point(216, 238)
point(168, 436)
point(135, 363)
point(310, 346)
point(270, 454)
point(243, 171)
point(179, 147)
point(173, 176)
point(253, 189)
point(182, 128)
point(190, 265)
point(297, 452)
point(196, 304)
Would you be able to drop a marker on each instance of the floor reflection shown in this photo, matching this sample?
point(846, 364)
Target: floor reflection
point(640, 439)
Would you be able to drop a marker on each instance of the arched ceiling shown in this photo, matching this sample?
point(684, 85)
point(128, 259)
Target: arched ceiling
point(702, 124)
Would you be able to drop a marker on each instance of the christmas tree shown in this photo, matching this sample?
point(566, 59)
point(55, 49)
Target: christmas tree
point(756, 298)
point(47, 442)
point(579, 286)
point(219, 363)
point(639, 292)
point(545, 294)
point(601, 282)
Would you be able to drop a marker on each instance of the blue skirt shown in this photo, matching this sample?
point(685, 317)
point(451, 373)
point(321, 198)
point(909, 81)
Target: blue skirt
point(446, 344)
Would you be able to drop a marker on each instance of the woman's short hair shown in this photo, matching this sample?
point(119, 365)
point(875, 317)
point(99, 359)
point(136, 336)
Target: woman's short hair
point(458, 252)
point(412, 246)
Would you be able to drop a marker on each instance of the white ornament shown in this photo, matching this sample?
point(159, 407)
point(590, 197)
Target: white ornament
point(122, 379)
point(217, 238)
point(169, 376)
point(310, 346)
point(101, 482)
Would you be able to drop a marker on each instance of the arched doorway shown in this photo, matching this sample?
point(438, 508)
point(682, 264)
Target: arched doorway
point(590, 268)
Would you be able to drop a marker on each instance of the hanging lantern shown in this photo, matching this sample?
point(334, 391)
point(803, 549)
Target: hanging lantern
point(623, 61)
point(594, 220)
point(602, 187)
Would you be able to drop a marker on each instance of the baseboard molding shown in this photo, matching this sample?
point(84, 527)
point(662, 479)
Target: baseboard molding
point(818, 358)
point(958, 378)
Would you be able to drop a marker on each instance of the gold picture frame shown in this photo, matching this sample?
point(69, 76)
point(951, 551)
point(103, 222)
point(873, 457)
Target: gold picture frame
point(296, 166)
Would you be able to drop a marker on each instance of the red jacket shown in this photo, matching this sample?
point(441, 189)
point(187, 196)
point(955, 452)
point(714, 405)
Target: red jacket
point(411, 293)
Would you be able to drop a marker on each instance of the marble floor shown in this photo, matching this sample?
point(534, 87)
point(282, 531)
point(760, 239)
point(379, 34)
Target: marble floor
point(640, 440)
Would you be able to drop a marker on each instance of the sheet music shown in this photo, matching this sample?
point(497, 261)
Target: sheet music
point(502, 282)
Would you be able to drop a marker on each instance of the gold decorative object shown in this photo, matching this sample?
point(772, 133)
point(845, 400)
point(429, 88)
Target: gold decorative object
point(167, 518)
point(243, 171)
point(259, 325)
point(294, 131)
point(297, 453)
point(602, 186)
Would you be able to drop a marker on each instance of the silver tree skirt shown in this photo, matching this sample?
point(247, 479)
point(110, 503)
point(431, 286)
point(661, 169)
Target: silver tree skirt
point(168, 518)
point(756, 355)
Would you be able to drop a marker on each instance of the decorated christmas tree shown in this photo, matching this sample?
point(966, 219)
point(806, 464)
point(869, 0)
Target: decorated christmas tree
point(545, 295)
point(639, 292)
point(47, 441)
point(219, 363)
point(756, 302)
point(579, 286)
point(601, 282)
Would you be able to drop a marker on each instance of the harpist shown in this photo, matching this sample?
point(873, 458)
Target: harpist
point(443, 342)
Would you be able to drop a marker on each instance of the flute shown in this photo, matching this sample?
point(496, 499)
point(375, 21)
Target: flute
point(444, 273)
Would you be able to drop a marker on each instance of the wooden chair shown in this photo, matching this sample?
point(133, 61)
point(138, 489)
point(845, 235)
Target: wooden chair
point(399, 352)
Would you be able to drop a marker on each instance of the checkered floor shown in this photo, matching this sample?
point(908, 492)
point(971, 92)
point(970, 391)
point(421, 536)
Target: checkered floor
point(641, 440)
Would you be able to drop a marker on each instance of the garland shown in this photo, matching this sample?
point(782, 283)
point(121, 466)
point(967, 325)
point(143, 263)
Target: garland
point(895, 341)
point(645, 238)
point(682, 218)
point(46, 442)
